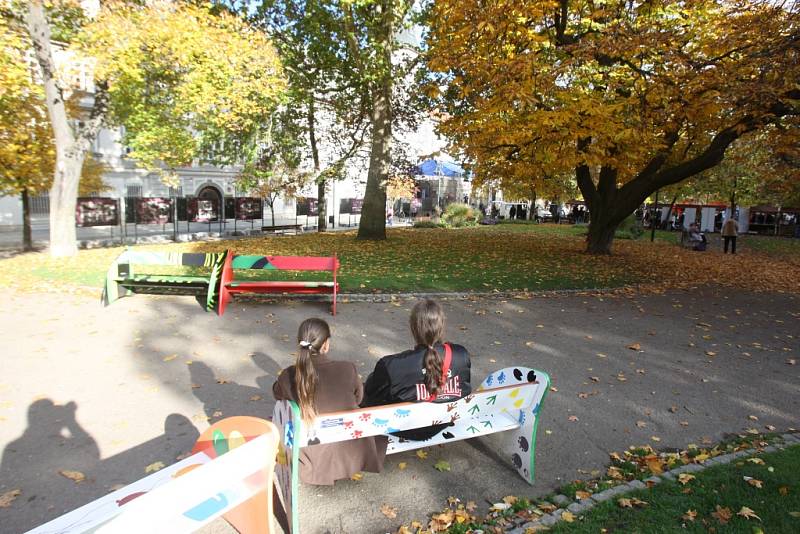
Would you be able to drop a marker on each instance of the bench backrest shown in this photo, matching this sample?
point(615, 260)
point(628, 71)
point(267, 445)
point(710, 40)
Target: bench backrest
point(286, 263)
point(233, 471)
point(365, 422)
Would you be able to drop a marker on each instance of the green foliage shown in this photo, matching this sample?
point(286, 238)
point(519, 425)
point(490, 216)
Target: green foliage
point(458, 215)
point(427, 224)
point(185, 83)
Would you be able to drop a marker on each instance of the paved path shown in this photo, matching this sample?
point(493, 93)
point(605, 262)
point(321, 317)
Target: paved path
point(110, 391)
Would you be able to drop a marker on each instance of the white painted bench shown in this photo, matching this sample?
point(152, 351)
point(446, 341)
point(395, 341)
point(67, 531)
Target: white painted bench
point(230, 476)
point(507, 401)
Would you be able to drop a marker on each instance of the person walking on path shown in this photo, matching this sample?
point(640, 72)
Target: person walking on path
point(729, 232)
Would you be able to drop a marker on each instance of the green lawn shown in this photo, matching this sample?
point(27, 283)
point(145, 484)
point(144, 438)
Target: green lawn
point(487, 258)
point(777, 502)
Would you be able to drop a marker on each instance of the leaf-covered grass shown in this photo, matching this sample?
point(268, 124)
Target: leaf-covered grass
point(723, 486)
point(487, 258)
point(779, 247)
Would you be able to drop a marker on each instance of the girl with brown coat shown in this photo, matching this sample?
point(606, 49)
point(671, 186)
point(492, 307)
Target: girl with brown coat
point(321, 385)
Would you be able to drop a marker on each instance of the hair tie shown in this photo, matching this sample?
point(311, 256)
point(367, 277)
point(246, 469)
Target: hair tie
point(305, 344)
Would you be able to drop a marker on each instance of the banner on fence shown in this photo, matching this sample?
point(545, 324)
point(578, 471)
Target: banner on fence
point(96, 211)
point(307, 206)
point(153, 210)
point(344, 205)
point(355, 205)
point(248, 208)
point(201, 210)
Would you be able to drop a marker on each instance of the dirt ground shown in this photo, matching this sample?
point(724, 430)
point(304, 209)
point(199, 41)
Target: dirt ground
point(110, 391)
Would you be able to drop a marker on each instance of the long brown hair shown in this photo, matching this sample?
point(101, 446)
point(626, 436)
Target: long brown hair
point(427, 327)
point(311, 336)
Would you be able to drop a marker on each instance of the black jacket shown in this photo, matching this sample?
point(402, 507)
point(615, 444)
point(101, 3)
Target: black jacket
point(401, 378)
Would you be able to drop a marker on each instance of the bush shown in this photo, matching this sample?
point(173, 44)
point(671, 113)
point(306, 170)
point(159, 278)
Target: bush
point(458, 215)
point(630, 228)
point(427, 224)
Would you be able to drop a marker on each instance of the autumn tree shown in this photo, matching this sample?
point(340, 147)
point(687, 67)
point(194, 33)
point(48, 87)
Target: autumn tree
point(325, 92)
point(273, 169)
point(184, 82)
point(27, 152)
point(630, 97)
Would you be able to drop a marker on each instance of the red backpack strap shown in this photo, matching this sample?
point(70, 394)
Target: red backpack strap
point(448, 358)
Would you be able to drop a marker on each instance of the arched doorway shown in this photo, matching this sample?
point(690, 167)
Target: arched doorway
point(213, 195)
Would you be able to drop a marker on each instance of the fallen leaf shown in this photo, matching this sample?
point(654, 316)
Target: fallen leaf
point(583, 395)
point(770, 428)
point(752, 417)
point(755, 483)
point(441, 465)
point(75, 476)
point(155, 466)
point(356, 476)
point(689, 515)
point(388, 511)
point(403, 530)
point(635, 346)
point(684, 423)
point(421, 454)
point(573, 418)
point(529, 344)
point(757, 461)
point(625, 503)
point(402, 465)
point(255, 398)
point(673, 409)
point(170, 357)
point(711, 353)
point(500, 506)
point(222, 381)
point(795, 514)
point(554, 389)
point(723, 515)
point(747, 513)
point(655, 438)
point(791, 361)
point(471, 506)
point(594, 379)
point(8, 497)
point(580, 494)
point(641, 424)
point(510, 499)
point(783, 490)
point(569, 517)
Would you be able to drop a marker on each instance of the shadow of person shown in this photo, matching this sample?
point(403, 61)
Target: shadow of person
point(38, 463)
point(222, 398)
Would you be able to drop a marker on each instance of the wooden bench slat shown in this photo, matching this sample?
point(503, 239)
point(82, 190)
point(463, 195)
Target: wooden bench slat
point(276, 284)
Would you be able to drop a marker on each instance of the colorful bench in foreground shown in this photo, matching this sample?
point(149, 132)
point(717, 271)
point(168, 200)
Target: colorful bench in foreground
point(229, 474)
point(508, 401)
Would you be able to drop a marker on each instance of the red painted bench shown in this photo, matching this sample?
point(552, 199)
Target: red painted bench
point(230, 286)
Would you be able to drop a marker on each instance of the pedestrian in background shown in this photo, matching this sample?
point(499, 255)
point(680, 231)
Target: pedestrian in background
point(729, 232)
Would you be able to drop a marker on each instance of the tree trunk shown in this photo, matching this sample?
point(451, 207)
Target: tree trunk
point(27, 239)
point(63, 197)
point(601, 236)
point(71, 146)
point(373, 214)
point(322, 204)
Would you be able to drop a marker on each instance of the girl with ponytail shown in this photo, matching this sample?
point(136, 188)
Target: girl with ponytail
point(433, 371)
point(321, 385)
